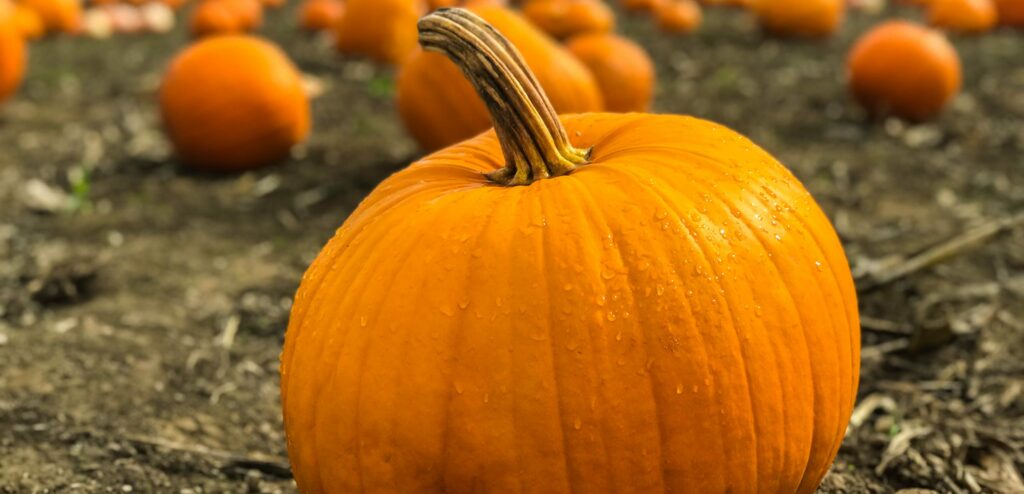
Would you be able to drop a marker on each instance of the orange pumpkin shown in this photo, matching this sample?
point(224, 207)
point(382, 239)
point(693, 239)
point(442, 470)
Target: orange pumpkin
point(272, 4)
point(249, 12)
point(679, 16)
point(597, 303)
point(1011, 12)
point(567, 18)
point(964, 16)
point(622, 68)
point(802, 18)
point(440, 108)
point(212, 17)
point(641, 5)
point(904, 69)
point(58, 15)
point(13, 53)
point(233, 102)
point(382, 30)
point(318, 15)
point(28, 22)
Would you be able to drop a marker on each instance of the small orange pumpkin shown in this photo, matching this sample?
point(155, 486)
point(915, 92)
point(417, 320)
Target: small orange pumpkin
point(595, 303)
point(318, 15)
point(29, 24)
point(566, 18)
point(679, 16)
point(212, 17)
point(1011, 12)
point(439, 107)
point(233, 102)
point(802, 18)
point(906, 69)
point(13, 52)
point(623, 70)
point(963, 16)
point(58, 15)
point(641, 5)
point(382, 30)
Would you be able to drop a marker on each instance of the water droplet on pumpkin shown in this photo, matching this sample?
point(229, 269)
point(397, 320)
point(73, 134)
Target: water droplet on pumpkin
point(458, 388)
point(818, 265)
point(618, 336)
point(607, 274)
point(778, 237)
point(679, 389)
point(601, 300)
point(660, 214)
point(577, 424)
point(660, 289)
point(463, 304)
point(610, 316)
point(722, 233)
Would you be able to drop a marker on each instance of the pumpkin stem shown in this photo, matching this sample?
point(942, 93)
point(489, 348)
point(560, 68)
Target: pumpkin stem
point(532, 137)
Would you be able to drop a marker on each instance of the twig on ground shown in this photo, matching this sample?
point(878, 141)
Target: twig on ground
point(276, 467)
point(885, 273)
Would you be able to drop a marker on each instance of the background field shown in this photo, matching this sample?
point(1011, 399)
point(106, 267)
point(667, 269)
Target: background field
point(142, 306)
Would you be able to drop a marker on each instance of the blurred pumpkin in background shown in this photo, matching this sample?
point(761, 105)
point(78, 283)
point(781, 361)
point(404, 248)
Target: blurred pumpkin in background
point(595, 303)
point(904, 69)
point(439, 107)
point(233, 102)
point(63, 16)
point(29, 24)
point(319, 15)
point(1011, 12)
point(801, 18)
point(382, 30)
point(13, 52)
point(963, 16)
point(641, 5)
point(567, 18)
point(623, 70)
point(213, 17)
point(679, 16)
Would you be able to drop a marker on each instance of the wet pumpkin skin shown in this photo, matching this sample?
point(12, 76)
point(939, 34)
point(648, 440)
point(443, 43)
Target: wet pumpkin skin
point(674, 315)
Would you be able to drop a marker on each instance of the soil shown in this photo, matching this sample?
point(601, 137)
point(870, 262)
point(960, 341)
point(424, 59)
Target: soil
point(143, 306)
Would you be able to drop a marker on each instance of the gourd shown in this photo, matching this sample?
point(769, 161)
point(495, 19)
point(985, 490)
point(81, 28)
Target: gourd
point(319, 15)
point(963, 16)
point(623, 70)
point(904, 69)
point(597, 303)
point(440, 108)
point(233, 102)
point(566, 18)
point(800, 18)
point(13, 52)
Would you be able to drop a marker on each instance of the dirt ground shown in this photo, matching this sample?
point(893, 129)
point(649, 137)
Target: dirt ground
point(143, 306)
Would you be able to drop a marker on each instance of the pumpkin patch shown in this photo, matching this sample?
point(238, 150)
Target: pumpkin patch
point(511, 246)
